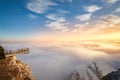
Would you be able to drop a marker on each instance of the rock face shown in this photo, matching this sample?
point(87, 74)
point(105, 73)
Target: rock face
point(73, 76)
point(115, 75)
point(2, 52)
point(12, 69)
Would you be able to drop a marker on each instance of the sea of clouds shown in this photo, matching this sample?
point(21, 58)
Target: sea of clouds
point(53, 61)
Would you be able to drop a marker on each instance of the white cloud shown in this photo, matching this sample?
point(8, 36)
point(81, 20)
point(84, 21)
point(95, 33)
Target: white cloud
point(80, 27)
point(92, 8)
point(84, 17)
point(106, 23)
point(52, 17)
point(56, 18)
point(58, 26)
point(40, 6)
point(31, 16)
point(117, 10)
point(64, 11)
point(110, 1)
point(109, 20)
point(57, 23)
point(69, 1)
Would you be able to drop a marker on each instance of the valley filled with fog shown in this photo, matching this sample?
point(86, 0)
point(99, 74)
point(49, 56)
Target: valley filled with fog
point(55, 60)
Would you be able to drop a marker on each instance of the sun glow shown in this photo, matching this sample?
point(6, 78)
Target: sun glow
point(57, 37)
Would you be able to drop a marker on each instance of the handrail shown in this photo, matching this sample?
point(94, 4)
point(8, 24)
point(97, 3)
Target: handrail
point(19, 51)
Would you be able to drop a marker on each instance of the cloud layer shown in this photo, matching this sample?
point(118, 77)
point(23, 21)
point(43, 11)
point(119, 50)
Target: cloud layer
point(46, 58)
point(40, 6)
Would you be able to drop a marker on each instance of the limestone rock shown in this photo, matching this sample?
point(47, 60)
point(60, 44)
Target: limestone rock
point(12, 69)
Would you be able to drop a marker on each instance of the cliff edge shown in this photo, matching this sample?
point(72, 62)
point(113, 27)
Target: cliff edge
point(114, 75)
point(13, 69)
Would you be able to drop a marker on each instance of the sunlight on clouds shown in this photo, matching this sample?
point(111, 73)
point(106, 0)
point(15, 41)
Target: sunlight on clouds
point(92, 8)
point(84, 17)
point(63, 35)
point(46, 58)
point(86, 53)
point(108, 24)
point(62, 24)
point(107, 27)
point(112, 36)
point(58, 22)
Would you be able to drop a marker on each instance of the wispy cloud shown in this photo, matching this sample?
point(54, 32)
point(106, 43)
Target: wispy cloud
point(31, 16)
point(52, 17)
point(117, 10)
point(69, 1)
point(80, 27)
point(40, 6)
point(84, 17)
point(64, 11)
point(58, 26)
point(55, 17)
point(108, 23)
point(92, 8)
point(57, 23)
point(104, 24)
point(110, 1)
point(113, 19)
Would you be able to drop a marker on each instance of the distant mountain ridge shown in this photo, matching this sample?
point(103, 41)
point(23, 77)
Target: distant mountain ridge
point(114, 75)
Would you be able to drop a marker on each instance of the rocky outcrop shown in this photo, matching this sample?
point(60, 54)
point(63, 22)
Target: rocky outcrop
point(73, 76)
point(12, 69)
point(2, 52)
point(115, 75)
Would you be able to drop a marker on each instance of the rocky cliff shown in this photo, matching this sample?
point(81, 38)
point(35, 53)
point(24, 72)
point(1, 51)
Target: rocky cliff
point(13, 69)
point(114, 75)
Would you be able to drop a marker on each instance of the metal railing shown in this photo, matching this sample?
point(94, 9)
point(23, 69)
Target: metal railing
point(16, 52)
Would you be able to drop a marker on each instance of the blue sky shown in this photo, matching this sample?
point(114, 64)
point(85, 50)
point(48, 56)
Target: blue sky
point(25, 18)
